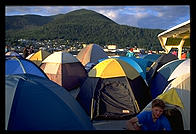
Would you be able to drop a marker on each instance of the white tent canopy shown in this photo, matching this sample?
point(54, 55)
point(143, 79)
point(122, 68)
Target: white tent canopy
point(181, 69)
point(65, 57)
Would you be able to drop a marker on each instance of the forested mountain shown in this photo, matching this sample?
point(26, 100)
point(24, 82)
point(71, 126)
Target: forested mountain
point(80, 25)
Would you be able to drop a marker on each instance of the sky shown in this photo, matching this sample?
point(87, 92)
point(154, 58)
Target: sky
point(152, 17)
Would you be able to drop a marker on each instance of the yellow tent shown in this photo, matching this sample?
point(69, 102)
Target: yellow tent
point(38, 57)
point(114, 89)
point(112, 68)
point(176, 37)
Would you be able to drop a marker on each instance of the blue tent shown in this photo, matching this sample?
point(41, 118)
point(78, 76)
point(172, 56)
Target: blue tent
point(143, 63)
point(37, 103)
point(151, 57)
point(17, 65)
point(134, 64)
point(160, 80)
point(102, 59)
point(13, 54)
point(163, 59)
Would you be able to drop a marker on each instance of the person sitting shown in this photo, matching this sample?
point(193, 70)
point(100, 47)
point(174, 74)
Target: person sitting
point(150, 120)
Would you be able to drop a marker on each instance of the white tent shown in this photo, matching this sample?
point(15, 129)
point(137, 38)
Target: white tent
point(177, 96)
point(181, 69)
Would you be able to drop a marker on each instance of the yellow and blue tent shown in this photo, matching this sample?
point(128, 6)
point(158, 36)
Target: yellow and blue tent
point(113, 89)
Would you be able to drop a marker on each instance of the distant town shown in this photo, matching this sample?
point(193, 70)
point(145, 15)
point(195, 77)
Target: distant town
point(71, 47)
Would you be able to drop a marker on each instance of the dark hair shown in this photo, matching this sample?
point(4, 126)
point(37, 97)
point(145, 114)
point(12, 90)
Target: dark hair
point(158, 103)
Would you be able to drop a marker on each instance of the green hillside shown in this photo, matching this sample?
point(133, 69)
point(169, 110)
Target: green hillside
point(80, 25)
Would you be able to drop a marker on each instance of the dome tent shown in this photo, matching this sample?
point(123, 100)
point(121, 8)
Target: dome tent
point(181, 69)
point(13, 53)
point(177, 99)
point(163, 59)
point(19, 65)
point(36, 103)
point(160, 80)
point(91, 53)
point(151, 57)
point(38, 57)
point(114, 89)
point(134, 64)
point(64, 69)
point(138, 63)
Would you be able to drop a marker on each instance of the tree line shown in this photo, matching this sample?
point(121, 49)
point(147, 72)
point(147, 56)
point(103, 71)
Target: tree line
point(82, 26)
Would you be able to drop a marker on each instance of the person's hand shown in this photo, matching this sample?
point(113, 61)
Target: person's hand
point(136, 126)
point(132, 126)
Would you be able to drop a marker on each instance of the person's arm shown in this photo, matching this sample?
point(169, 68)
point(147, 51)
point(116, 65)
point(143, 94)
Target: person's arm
point(133, 124)
point(166, 124)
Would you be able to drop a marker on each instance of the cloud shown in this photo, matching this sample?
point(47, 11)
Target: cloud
point(156, 17)
point(161, 17)
point(112, 14)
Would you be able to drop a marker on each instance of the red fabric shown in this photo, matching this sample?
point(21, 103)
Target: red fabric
point(183, 56)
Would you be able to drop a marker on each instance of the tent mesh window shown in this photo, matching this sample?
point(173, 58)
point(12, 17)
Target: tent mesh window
point(113, 99)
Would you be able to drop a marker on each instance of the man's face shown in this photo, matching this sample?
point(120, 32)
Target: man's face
point(156, 112)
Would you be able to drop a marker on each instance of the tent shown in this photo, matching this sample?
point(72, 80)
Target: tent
point(38, 57)
point(160, 80)
point(151, 57)
point(113, 90)
point(139, 63)
point(36, 103)
point(163, 59)
point(29, 56)
point(12, 53)
point(134, 64)
point(143, 63)
point(177, 99)
point(64, 69)
point(183, 68)
point(91, 53)
point(19, 65)
point(176, 37)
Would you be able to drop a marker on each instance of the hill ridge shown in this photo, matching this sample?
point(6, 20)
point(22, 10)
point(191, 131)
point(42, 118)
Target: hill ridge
point(81, 25)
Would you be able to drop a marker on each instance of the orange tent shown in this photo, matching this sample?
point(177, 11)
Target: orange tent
point(91, 53)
